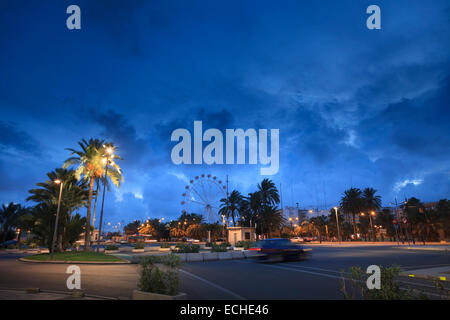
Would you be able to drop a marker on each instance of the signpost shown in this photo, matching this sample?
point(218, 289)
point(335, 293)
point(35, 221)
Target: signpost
point(396, 229)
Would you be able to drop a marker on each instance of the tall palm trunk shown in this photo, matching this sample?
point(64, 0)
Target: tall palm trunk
point(354, 224)
point(87, 233)
point(18, 238)
point(95, 203)
point(60, 242)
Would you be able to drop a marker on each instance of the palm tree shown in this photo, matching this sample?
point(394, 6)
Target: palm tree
point(73, 196)
point(89, 166)
point(270, 219)
point(113, 171)
point(268, 192)
point(9, 218)
point(251, 207)
point(352, 203)
point(231, 206)
point(372, 202)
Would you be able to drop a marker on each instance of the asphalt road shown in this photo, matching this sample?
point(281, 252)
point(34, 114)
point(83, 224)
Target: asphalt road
point(316, 278)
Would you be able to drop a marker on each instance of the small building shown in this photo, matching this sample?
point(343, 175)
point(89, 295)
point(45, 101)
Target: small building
point(94, 237)
point(236, 234)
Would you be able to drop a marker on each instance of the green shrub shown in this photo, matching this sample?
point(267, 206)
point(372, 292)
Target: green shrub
point(219, 247)
point(165, 245)
point(187, 248)
point(156, 279)
point(390, 289)
point(209, 244)
point(139, 245)
point(244, 244)
point(112, 247)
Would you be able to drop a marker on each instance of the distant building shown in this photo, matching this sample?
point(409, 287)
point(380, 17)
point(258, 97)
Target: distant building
point(94, 237)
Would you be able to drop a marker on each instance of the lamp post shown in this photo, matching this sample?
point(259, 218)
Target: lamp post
point(337, 224)
point(396, 224)
point(371, 225)
point(60, 182)
point(107, 161)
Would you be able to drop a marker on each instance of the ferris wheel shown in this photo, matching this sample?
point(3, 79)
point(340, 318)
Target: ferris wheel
point(202, 196)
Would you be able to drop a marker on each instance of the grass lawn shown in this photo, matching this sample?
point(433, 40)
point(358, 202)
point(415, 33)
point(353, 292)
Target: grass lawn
point(75, 256)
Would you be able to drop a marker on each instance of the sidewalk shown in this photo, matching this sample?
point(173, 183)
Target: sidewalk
point(21, 294)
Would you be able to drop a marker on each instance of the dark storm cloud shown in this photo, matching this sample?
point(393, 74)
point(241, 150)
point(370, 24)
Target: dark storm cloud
point(354, 107)
point(13, 139)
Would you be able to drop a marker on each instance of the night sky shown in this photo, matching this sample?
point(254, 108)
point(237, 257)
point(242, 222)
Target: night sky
point(355, 107)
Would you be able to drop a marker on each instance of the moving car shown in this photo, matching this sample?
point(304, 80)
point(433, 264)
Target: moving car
point(279, 250)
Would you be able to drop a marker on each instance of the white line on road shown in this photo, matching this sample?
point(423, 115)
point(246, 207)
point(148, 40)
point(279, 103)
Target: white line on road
point(315, 268)
point(304, 271)
point(214, 285)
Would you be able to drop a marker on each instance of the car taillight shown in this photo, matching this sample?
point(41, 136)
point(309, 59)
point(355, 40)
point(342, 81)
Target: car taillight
point(255, 249)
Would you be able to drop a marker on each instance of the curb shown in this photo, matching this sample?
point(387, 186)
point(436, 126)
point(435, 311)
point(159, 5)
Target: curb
point(423, 276)
point(73, 293)
point(424, 249)
point(212, 256)
point(76, 262)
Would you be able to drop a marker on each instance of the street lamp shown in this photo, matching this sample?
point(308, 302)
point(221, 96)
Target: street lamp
point(372, 213)
point(60, 182)
point(395, 224)
point(337, 223)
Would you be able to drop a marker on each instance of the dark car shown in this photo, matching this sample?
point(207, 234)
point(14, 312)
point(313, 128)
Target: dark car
point(279, 250)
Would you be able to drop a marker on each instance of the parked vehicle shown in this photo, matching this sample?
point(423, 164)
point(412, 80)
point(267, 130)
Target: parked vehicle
point(279, 250)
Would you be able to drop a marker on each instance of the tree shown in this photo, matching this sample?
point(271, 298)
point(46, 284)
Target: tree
point(9, 219)
point(352, 203)
point(231, 206)
point(385, 218)
point(74, 227)
point(196, 231)
point(89, 166)
point(443, 215)
point(74, 196)
point(332, 226)
point(24, 223)
point(372, 202)
point(426, 223)
point(268, 192)
point(271, 219)
point(319, 224)
point(215, 229)
point(132, 227)
point(91, 162)
point(251, 207)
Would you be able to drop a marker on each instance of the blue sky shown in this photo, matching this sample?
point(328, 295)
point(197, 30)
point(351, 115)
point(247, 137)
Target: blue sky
point(355, 107)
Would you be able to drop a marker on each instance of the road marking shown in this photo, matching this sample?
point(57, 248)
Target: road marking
point(304, 271)
point(315, 268)
point(214, 285)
